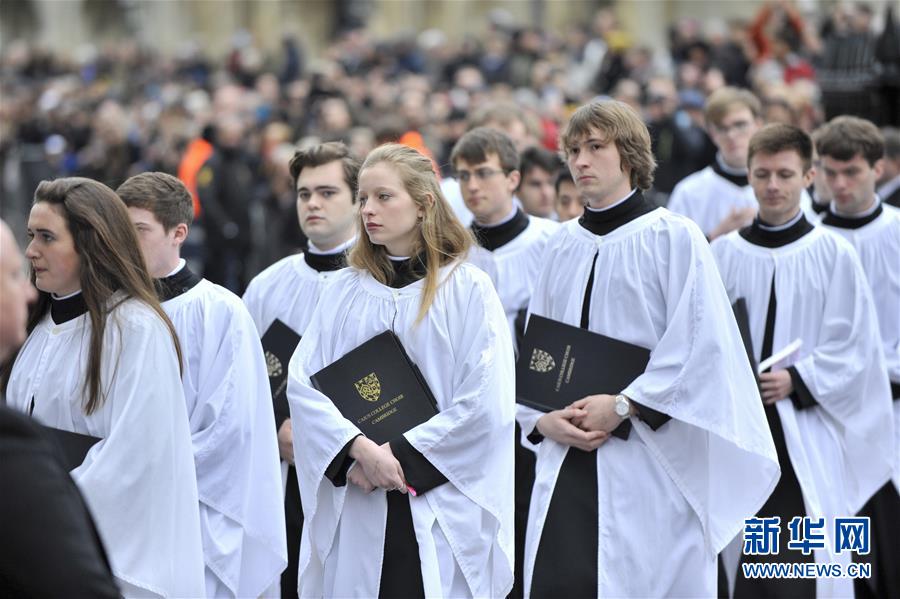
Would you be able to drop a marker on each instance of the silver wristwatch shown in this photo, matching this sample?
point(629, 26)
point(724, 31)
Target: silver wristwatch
point(623, 406)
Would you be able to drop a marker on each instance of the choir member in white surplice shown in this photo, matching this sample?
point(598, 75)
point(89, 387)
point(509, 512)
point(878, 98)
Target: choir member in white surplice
point(889, 183)
point(638, 488)
point(828, 403)
point(102, 359)
point(719, 197)
point(850, 151)
point(486, 164)
point(51, 546)
point(371, 538)
point(226, 389)
point(325, 177)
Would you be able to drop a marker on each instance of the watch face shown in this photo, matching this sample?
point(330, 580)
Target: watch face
point(622, 408)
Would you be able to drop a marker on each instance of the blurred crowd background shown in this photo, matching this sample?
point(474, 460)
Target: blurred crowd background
point(227, 118)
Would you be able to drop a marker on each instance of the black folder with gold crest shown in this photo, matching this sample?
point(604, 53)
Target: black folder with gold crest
point(73, 446)
point(279, 343)
point(559, 364)
point(378, 388)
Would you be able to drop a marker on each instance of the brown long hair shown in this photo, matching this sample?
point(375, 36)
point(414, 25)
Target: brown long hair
point(442, 238)
point(111, 261)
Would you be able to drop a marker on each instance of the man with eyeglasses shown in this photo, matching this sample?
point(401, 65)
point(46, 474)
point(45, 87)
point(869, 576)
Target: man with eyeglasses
point(487, 167)
point(719, 198)
point(486, 164)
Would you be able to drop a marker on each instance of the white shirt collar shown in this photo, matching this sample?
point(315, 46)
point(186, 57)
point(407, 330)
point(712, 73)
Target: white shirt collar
point(181, 264)
point(312, 249)
point(65, 297)
point(867, 212)
point(506, 219)
point(614, 204)
point(729, 169)
point(783, 226)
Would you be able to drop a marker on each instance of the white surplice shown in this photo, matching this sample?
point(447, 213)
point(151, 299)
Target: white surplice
point(707, 198)
point(226, 387)
point(464, 527)
point(139, 480)
point(669, 499)
point(841, 449)
point(518, 264)
point(878, 246)
point(289, 291)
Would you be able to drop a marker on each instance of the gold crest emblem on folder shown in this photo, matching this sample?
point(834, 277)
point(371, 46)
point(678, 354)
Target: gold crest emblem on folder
point(541, 361)
point(273, 365)
point(369, 387)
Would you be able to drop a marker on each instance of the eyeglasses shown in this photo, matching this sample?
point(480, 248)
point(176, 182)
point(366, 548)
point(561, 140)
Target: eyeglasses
point(735, 127)
point(482, 174)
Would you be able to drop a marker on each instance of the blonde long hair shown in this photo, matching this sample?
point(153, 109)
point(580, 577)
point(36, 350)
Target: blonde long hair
point(442, 238)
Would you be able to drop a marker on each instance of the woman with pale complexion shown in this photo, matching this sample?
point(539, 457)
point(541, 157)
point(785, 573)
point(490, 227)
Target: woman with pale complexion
point(102, 359)
point(429, 513)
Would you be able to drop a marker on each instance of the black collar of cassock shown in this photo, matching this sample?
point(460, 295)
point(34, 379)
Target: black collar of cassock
point(491, 238)
point(325, 262)
point(64, 310)
point(602, 222)
point(848, 222)
point(172, 286)
point(816, 206)
point(758, 235)
point(739, 180)
point(407, 271)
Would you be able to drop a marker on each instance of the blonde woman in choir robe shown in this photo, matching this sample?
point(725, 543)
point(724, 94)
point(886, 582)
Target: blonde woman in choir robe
point(373, 537)
point(102, 359)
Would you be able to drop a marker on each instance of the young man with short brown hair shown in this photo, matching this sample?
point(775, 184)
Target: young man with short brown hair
point(851, 153)
point(637, 488)
point(228, 399)
point(828, 401)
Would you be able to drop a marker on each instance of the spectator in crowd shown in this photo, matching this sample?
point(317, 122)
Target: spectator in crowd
point(887, 53)
point(225, 189)
point(121, 109)
point(889, 184)
point(846, 70)
point(680, 144)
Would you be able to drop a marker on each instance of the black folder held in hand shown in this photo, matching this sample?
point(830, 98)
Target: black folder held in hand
point(73, 446)
point(378, 388)
point(559, 364)
point(279, 343)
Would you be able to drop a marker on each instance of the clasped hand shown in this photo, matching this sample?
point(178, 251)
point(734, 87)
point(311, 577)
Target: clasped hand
point(586, 424)
point(375, 467)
